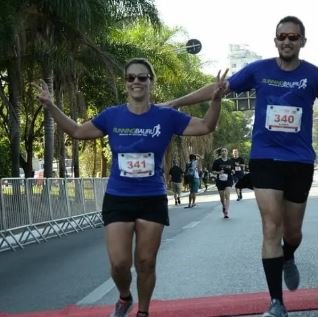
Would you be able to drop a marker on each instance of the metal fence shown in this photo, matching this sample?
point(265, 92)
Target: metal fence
point(34, 210)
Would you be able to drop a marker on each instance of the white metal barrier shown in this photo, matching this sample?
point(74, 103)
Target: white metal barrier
point(34, 210)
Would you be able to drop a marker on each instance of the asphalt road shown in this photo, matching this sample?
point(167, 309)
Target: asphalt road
point(63, 271)
point(202, 254)
point(213, 256)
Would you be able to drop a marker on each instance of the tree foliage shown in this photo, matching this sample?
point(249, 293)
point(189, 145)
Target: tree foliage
point(81, 46)
point(4, 158)
point(233, 130)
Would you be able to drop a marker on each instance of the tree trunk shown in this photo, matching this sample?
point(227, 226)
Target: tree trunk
point(14, 85)
point(75, 156)
point(103, 159)
point(94, 171)
point(74, 116)
point(60, 144)
point(48, 127)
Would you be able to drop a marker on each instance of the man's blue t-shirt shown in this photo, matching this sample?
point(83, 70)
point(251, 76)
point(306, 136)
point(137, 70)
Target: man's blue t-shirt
point(284, 109)
point(138, 144)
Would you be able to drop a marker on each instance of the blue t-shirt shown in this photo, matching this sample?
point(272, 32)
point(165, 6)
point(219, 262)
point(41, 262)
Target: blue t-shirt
point(138, 144)
point(284, 109)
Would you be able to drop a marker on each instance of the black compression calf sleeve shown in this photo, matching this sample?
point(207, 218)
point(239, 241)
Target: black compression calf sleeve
point(273, 269)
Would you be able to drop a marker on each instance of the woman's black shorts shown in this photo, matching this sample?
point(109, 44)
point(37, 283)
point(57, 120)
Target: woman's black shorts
point(221, 185)
point(129, 209)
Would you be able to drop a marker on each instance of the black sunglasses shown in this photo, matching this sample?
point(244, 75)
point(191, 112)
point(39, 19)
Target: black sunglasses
point(291, 36)
point(141, 77)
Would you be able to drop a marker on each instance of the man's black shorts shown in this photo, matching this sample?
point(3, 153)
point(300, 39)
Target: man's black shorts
point(129, 209)
point(293, 178)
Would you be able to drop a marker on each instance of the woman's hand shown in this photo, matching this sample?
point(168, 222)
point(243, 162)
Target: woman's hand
point(43, 93)
point(220, 87)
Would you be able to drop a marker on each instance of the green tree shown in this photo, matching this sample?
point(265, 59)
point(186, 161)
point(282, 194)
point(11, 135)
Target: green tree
point(233, 130)
point(45, 28)
point(4, 159)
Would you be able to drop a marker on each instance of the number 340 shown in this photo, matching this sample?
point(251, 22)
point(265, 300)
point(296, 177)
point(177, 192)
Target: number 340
point(284, 118)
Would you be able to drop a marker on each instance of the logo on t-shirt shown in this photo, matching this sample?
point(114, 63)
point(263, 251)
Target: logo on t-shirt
point(286, 84)
point(155, 131)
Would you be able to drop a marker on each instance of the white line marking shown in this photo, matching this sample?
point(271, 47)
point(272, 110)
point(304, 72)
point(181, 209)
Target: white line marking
point(99, 292)
point(191, 225)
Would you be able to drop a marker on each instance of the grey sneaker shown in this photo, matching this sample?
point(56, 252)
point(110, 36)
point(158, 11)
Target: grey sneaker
point(122, 308)
point(291, 274)
point(276, 309)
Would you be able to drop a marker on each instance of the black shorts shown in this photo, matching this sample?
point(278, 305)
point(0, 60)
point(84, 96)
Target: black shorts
point(293, 178)
point(221, 185)
point(237, 176)
point(129, 209)
point(244, 182)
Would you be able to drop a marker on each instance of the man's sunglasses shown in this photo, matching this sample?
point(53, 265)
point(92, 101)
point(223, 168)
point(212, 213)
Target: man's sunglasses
point(291, 37)
point(141, 77)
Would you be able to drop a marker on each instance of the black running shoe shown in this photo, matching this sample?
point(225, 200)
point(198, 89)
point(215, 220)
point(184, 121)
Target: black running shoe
point(122, 308)
point(291, 275)
point(276, 309)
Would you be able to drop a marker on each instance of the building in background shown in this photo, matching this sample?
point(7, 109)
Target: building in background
point(239, 56)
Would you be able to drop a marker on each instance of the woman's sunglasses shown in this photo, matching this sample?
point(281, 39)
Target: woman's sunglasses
point(291, 37)
point(141, 77)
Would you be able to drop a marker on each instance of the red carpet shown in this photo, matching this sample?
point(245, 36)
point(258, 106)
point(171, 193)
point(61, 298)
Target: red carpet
point(216, 306)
